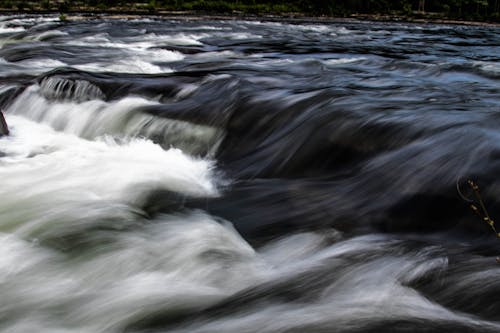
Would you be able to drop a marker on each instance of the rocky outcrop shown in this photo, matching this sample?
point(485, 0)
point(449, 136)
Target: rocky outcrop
point(4, 130)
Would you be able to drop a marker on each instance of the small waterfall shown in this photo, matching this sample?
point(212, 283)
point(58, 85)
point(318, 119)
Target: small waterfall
point(74, 111)
point(57, 88)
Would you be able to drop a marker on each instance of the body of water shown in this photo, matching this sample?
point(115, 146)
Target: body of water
point(202, 175)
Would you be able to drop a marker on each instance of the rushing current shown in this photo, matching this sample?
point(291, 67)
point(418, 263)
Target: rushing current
point(199, 175)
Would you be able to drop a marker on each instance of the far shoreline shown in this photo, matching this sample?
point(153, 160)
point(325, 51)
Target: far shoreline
point(278, 17)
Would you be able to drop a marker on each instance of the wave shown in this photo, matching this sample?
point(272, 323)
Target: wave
point(75, 182)
point(89, 117)
point(132, 65)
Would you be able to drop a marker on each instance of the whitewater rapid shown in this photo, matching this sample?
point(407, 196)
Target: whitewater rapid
point(72, 228)
point(202, 175)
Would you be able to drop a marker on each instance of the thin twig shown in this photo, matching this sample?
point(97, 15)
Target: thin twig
point(477, 205)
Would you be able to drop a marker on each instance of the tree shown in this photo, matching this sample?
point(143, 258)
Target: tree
point(421, 6)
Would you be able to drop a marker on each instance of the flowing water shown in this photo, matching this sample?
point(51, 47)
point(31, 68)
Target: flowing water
point(202, 175)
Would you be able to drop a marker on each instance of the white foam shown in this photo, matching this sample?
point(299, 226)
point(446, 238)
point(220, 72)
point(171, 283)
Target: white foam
point(49, 34)
point(45, 63)
point(94, 118)
point(359, 293)
point(31, 66)
point(142, 42)
point(5, 30)
point(208, 27)
point(51, 177)
point(343, 31)
point(240, 36)
point(183, 39)
point(261, 23)
point(34, 19)
point(177, 263)
point(216, 55)
point(488, 66)
point(133, 65)
point(159, 55)
point(138, 56)
point(314, 28)
point(341, 61)
point(56, 185)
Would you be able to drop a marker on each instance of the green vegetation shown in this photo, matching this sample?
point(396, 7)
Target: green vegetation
point(480, 10)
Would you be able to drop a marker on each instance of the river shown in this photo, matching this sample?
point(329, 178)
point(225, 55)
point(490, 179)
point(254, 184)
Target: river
point(205, 175)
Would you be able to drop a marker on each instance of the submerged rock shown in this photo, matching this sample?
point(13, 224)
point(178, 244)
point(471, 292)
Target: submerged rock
point(4, 130)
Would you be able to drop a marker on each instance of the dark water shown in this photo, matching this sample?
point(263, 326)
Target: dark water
point(195, 175)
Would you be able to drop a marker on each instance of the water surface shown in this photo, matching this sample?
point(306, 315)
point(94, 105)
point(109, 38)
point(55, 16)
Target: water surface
point(197, 175)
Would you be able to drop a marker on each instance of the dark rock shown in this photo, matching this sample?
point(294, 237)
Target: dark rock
point(163, 201)
point(4, 130)
point(8, 96)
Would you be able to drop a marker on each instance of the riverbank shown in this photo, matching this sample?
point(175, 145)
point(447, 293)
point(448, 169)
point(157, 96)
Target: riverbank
point(288, 17)
point(403, 10)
